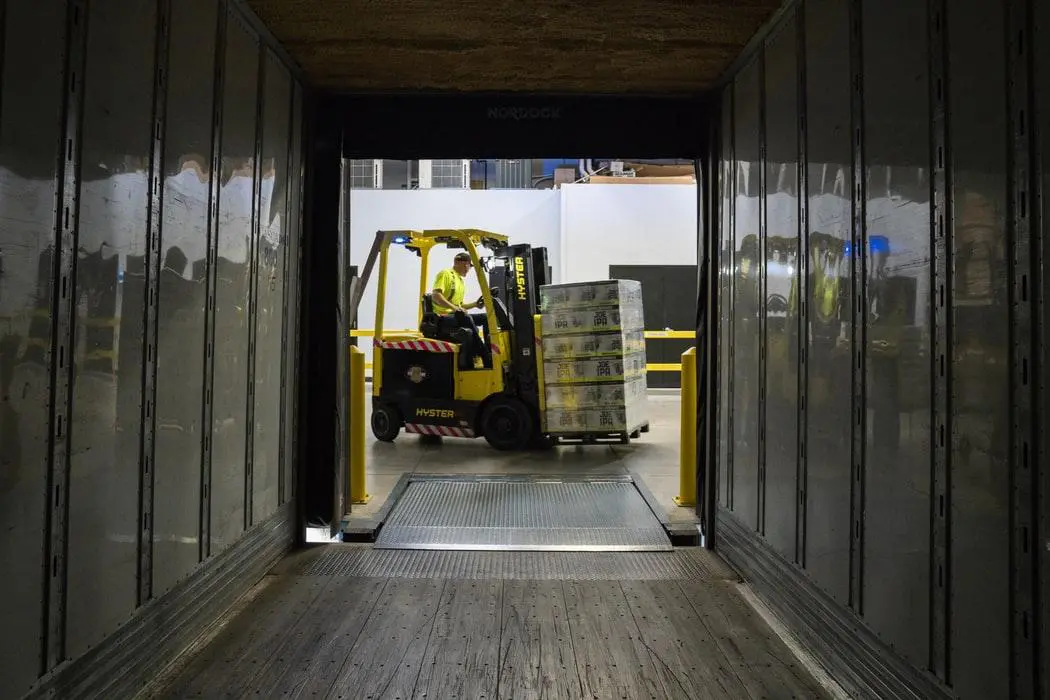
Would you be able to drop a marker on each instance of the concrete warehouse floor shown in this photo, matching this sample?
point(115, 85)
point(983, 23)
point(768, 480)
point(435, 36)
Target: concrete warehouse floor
point(653, 459)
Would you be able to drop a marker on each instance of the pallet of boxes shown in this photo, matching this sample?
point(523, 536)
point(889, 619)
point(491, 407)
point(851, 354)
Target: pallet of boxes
point(593, 345)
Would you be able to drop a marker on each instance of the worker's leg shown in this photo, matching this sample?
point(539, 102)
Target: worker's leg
point(481, 321)
point(481, 346)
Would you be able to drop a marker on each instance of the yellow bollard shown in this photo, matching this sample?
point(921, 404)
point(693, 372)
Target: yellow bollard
point(357, 426)
point(687, 455)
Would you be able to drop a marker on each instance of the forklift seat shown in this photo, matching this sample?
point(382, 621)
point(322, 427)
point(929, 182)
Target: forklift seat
point(445, 327)
point(431, 325)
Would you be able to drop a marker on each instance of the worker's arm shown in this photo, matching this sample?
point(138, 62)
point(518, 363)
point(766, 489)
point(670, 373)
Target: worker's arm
point(444, 286)
point(440, 299)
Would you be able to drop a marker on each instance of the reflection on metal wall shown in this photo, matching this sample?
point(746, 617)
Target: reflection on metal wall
point(726, 260)
point(109, 297)
point(183, 291)
point(269, 316)
point(900, 426)
point(826, 554)
point(746, 302)
point(894, 591)
point(979, 307)
point(230, 485)
point(114, 390)
point(781, 269)
point(29, 153)
point(293, 264)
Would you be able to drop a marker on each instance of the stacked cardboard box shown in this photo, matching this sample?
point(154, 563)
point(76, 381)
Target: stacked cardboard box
point(594, 357)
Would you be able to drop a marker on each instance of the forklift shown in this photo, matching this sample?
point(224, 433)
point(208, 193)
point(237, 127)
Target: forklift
point(456, 376)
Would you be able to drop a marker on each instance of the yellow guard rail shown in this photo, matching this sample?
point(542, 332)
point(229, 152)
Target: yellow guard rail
point(358, 492)
point(687, 453)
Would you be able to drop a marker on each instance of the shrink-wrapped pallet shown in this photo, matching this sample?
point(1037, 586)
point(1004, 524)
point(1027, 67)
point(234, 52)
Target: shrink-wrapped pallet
point(593, 349)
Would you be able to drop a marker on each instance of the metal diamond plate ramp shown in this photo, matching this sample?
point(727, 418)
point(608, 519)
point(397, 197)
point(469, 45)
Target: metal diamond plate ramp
point(549, 516)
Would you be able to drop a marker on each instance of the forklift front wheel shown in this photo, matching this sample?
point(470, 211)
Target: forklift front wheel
point(507, 424)
point(386, 422)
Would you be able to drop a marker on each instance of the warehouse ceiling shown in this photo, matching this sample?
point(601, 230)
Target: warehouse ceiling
point(608, 46)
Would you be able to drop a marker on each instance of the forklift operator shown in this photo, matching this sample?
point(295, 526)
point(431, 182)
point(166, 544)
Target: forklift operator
point(450, 287)
point(449, 290)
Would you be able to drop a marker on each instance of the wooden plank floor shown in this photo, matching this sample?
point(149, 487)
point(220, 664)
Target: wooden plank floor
point(305, 634)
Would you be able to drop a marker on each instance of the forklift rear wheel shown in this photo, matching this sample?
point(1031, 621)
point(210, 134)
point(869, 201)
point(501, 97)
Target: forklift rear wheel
point(386, 422)
point(507, 424)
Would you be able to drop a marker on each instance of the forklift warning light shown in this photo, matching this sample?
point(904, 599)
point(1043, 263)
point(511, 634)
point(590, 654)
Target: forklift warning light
point(401, 240)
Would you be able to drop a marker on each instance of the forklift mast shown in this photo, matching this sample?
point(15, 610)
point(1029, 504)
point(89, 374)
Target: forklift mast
point(517, 283)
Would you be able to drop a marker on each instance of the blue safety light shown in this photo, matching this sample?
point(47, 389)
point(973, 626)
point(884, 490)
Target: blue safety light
point(401, 240)
point(876, 244)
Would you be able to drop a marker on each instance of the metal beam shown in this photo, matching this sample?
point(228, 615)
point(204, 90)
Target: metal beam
point(62, 335)
point(761, 270)
point(858, 246)
point(253, 287)
point(1024, 427)
point(801, 473)
point(941, 357)
point(214, 187)
point(153, 264)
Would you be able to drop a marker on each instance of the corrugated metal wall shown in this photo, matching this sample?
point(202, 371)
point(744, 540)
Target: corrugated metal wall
point(150, 193)
point(881, 376)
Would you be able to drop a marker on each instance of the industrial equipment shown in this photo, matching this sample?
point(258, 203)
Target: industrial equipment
point(458, 375)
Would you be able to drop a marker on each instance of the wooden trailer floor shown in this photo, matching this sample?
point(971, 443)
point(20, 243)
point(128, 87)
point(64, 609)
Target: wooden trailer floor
point(349, 621)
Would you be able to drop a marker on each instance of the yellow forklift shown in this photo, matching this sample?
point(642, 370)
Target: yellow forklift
point(460, 375)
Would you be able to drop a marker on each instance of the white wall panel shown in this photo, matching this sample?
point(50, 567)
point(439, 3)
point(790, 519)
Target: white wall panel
point(607, 225)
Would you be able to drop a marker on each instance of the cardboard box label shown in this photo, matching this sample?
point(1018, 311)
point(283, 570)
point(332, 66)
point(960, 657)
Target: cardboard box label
point(596, 370)
point(591, 321)
point(616, 395)
point(593, 345)
point(596, 420)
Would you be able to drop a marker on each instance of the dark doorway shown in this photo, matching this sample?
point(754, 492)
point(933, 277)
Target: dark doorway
point(496, 125)
point(669, 301)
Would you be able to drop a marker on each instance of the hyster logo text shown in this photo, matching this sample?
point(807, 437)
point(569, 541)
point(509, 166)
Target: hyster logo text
point(435, 413)
point(519, 277)
point(526, 113)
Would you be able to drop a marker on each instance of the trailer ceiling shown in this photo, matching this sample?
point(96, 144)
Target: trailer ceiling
point(615, 46)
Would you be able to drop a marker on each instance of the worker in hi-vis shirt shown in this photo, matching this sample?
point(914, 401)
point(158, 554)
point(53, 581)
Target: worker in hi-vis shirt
point(449, 289)
point(450, 286)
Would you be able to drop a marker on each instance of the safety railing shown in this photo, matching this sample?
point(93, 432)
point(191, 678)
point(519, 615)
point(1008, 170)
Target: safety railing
point(687, 435)
point(356, 468)
point(649, 335)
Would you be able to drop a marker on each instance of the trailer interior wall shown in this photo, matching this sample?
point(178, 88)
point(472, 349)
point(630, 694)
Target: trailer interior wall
point(150, 164)
point(881, 463)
